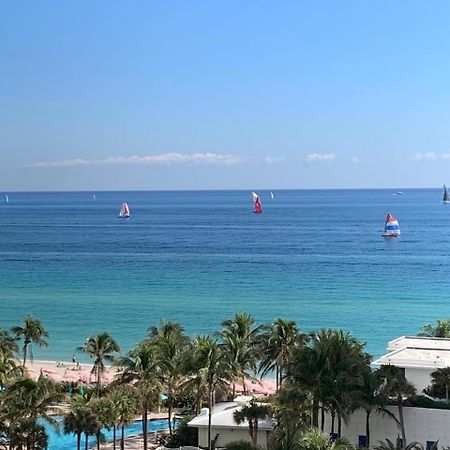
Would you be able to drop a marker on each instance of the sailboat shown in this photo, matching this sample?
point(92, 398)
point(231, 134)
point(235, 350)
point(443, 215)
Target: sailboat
point(124, 211)
point(271, 195)
point(94, 197)
point(391, 228)
point(257, 208)
point(254, 197)
point(445, 196)
point(6, 198)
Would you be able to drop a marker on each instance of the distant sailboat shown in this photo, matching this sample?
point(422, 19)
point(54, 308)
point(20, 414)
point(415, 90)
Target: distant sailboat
point(124, 211)
point(257, 209)
point(94, 197)
point(391, 228)
point(6, 198)
point(445, 196)
point(254, 197)
point(271, 195)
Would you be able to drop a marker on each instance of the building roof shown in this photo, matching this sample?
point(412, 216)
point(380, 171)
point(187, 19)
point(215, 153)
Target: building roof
point(419, 342)
point(419, 357)
point(222, 417)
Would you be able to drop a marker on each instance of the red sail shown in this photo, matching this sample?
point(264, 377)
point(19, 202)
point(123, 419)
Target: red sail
point(258, 208)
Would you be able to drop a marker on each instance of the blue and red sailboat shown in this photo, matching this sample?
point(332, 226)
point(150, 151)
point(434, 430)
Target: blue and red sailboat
point(391, 227)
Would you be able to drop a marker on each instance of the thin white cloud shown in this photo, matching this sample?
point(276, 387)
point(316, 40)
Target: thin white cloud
point(158, 159)
point(274, 159)
point(320, 157)
point(428, 156)
point(445, 155)
point(355, 160)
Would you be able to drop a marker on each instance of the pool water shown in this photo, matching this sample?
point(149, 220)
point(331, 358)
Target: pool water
point(61, 441)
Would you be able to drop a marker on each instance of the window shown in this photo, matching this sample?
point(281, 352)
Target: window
point(333, 436)
point(362, 440)
point(431, 445)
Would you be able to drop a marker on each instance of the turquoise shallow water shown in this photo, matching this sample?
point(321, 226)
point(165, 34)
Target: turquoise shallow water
point(199, 257)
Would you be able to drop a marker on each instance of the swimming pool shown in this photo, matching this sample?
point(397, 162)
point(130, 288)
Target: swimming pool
point(61, 441)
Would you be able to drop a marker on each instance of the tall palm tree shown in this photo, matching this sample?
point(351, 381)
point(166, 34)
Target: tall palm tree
point(277, 346)
point(253, 412)
point(141, 366)
point(214, 370)
point(370, 398)
point(329, 367)
point(395, 385)
point(125, 403)
point(169, 343)
point(442, 377)
point(101, 347)
point(241, 338)
point(32, 332)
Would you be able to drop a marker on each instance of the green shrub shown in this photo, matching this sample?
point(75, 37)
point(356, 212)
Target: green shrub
point(183, 435)
point(241, 445)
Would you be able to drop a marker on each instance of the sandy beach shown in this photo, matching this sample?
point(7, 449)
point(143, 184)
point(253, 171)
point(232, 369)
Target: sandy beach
point(59, 371)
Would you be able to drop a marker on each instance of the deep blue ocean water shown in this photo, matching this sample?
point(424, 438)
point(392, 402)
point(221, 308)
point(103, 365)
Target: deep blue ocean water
point(316, 256)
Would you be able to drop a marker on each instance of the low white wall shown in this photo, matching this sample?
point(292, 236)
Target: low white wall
point(227, 435)
point(421, 424)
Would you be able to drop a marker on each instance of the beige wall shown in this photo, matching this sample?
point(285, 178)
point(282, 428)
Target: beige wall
point(227, 435)
point(420, 378)
point(421, 425)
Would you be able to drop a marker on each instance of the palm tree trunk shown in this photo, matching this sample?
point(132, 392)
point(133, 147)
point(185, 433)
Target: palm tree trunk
point(322, 418)
point(315, 411)
point(122, 437)
point(25, 348)
point(209, 415)
point(114, 437)
point(255, 433)
point(401, 419)
point(170, 409)
point(368, 429)
point(86, 444)
point(339, 425)
point(78, 441)
point(446, 391)
point(99, 381)
point(98, 440)
point(145, 427)
point(277, 375)
point(333, 416)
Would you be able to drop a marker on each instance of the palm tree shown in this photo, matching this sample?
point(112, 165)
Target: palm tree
point(33, 332)
point(370, 398)
point(126, 407)
point(442, 377)
point(330, 368)
point(213, 363)
point(253, 412)
point(141, 366)
point(277, 346)
point(169, 343)
point(8, 344)
point(292, 412)
point(241, 338)
point(441, 329)
point(77, 421)
point(397, 386)
point(100, 347)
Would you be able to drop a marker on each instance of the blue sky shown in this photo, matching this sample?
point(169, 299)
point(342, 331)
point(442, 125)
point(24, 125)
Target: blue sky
point(197, 95)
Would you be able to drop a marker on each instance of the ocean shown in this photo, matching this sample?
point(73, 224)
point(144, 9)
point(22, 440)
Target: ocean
point(198, 257)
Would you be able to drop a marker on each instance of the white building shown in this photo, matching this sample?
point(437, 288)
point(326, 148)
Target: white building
point(419, 356)
point(223, 427)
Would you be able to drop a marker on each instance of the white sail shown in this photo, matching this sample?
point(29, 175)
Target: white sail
point(271, 194)
point(254, 197)
point(124, 210)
